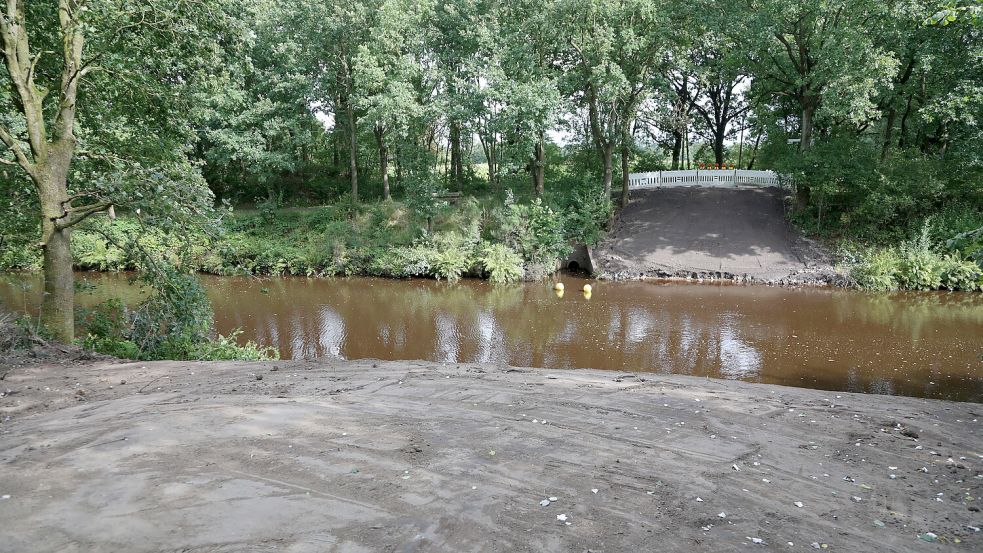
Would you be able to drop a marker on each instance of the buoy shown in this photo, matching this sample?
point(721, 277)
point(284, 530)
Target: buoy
point(558, 286)
point(587, 289)
point(587, 295)
point(559, 293)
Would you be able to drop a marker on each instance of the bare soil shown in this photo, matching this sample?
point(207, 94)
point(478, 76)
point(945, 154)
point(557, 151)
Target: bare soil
point(710, 233)
point(414, 456)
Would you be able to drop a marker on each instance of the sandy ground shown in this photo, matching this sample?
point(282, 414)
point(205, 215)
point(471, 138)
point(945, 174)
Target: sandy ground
point(364, 456)
point(700, 232)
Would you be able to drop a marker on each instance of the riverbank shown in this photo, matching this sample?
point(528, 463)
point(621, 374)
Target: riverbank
point(492, 238)
point(406, 456)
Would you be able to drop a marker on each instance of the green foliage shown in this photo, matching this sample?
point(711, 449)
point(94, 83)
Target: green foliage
point(876, 270)
point(174, 322)
point(587, 216)
point(969, 244)
point(533, 230)
point(175, 317)
point(501, 264)
point(453, 255)
point(919, 268)
point(914, 265)
point(272, 104)
point(855, 195)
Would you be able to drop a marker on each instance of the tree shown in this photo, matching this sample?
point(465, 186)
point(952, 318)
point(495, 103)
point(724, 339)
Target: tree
point(91, 116)
point(259, 134)
point(387, 74)
point(614, 49)
point(529, 82)
point(460, 35)
point(818, 53)
point(333, 32)
point(721, 80)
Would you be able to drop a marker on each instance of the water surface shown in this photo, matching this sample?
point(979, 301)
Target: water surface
point(913, 344)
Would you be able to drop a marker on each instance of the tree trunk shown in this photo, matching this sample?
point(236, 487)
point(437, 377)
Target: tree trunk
point(488, 147)
point(903, 141)
point(802, 192)
point(892, 115)
point(686, 146)
point(740, 147)
point(492, 172)
point(457, 167)
point(352, 149)
point(57, 306)
point(718, 148)
point(539, 169)
point(399, 165)
point(383, 163)
point(624, 176)
point(754, 152)
point(677, 149)
point(808, 112)
point(607, 153)
point(335, 154)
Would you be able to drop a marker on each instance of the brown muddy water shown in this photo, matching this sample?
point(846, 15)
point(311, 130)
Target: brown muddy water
point(912, 344)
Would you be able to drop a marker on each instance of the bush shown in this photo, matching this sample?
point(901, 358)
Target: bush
point(960, 274)
point(587, 218)
point(915, 265)
point(968, 244)
point(919, 268)
point(501, 264)
point(452, 255)
point(534, 230)
point(877, 270)
point(854, 194)
point(175, 322)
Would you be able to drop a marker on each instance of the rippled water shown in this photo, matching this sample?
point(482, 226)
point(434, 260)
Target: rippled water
point(915, 344)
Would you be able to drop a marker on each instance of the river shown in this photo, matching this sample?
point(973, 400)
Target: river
point(911, 344)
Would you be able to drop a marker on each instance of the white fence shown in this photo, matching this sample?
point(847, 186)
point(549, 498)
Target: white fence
point(720, 178)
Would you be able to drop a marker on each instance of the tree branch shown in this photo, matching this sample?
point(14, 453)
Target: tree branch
point(791, 55)
point(75, 215)
point(18, 152)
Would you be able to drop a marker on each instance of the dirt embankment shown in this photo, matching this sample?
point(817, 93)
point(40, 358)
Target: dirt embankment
point(362, 456)
point(710, 233)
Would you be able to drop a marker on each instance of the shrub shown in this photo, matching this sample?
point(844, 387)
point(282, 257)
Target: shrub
point(919, 267)
point(914, 265)
point(501, 264)
point(588, 217)
point(969, 244)
point(452, 255)
point(877, 270)
point(960, 274)
point(175, 322)
point(534, 230)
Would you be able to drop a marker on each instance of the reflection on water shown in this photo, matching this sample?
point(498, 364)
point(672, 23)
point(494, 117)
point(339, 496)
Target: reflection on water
point(918, 344)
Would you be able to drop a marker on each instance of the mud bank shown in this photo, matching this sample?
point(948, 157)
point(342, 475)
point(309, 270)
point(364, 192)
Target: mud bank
point(413, 456)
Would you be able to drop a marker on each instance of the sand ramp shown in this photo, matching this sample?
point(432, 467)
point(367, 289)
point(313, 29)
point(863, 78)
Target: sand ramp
point(680, 231)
